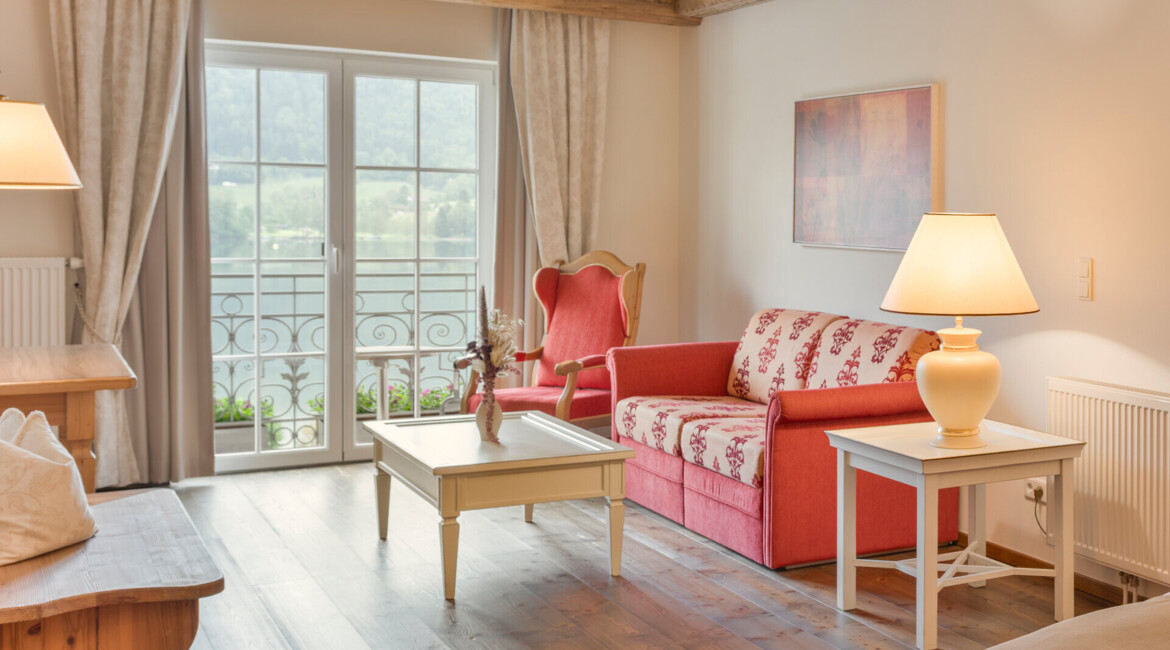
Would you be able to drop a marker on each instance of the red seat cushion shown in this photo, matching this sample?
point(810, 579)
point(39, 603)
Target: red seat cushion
point(585, 317)
point(587, 402)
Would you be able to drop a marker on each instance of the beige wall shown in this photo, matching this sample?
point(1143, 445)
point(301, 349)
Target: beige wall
point(400, 26)
point(32, 223)
point(1054, 118)
point(639, 202)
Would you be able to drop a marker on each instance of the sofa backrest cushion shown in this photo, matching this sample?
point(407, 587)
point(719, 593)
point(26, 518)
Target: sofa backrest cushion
point(775, 352)
point(853, 352)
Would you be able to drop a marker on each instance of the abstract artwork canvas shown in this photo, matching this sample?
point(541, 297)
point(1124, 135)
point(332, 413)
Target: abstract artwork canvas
point(867, 167)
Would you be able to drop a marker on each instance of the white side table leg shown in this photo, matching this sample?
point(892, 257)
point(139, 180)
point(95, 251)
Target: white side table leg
point(846, 532)
point(977, 522)
point(1061, 502)
point(381, 364)
point(927, 592)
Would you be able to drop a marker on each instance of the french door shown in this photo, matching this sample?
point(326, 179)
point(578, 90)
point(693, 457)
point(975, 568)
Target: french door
point(351, 204)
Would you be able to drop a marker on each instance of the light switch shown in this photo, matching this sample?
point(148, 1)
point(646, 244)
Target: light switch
point(1085, 278)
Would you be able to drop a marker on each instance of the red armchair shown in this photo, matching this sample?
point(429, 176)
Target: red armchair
point(590, 305)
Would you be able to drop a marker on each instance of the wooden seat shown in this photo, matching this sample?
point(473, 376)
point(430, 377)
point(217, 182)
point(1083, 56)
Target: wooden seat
point(136, 584)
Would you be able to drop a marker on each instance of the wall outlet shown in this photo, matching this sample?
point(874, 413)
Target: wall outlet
point(1032, 485)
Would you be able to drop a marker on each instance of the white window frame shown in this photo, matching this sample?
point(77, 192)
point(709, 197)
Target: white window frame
point(341, 66)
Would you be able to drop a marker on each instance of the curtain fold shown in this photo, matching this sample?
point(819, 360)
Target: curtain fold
point(559, 74)
point(167, 338)
point(119, 66)
point(517, 258)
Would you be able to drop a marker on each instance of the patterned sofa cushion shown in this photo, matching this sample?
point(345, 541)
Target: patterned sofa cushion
point(656, 421)
point(734, 447)
point(774, 352)
point(853, 352)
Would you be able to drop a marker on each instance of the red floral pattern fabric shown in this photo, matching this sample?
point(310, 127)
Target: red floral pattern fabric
point(775, 352)
point(657, 421)
point(733, 447)
point(853, 352)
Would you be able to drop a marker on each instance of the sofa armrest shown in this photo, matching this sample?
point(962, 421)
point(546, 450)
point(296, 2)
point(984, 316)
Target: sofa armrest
point(676, 369)
point(800, 481)
point(843, 403)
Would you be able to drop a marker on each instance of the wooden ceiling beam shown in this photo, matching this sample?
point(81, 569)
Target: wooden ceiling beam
point(643, 11)
point(704, 8)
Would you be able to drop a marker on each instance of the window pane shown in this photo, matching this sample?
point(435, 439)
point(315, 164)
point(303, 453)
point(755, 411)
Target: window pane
point(385, 211)
point(231, 208)
point(292, 212)
point(448, 215)
point(292, 307)
point(234, 389)
point(233, 327)
point(231, 113)
point(292, 117)
point(384, 123)
point(447, 125)
point(292, 397)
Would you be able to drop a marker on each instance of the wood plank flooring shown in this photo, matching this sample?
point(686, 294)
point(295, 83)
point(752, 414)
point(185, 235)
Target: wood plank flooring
point(304, 568)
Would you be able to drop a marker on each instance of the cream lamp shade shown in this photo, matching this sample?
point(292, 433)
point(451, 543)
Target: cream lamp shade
point(959, 265)
point(31, 154)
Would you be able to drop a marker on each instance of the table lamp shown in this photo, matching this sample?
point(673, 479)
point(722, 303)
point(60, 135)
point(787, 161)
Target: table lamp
point(31, 154)
point(959, 265)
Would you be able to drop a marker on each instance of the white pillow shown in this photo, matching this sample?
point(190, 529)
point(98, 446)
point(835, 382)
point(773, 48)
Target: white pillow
point(42, 499)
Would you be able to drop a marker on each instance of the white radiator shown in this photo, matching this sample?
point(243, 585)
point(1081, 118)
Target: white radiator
point(1122, 490)
point(32, 301)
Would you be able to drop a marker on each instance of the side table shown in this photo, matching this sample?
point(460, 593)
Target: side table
point(903, 453)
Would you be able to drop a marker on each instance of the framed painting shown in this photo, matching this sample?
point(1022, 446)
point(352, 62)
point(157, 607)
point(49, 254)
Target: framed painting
point(867, 167)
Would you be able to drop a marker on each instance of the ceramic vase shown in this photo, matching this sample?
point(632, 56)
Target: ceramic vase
point(488, 417)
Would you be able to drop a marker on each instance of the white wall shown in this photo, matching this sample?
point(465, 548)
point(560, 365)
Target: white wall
point(32, 223)
point(1054, 118)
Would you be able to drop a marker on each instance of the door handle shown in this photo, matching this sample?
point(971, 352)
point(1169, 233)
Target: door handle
point(337, 259)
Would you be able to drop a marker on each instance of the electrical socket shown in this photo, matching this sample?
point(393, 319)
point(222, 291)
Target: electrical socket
point(1032, 485)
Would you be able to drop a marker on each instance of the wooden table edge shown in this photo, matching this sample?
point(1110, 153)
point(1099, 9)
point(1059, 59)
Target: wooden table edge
point(56, 386)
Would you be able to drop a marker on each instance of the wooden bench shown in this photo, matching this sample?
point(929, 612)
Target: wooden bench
point(136, 584)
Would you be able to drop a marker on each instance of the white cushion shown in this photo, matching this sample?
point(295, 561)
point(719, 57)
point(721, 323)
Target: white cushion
point(42, 499)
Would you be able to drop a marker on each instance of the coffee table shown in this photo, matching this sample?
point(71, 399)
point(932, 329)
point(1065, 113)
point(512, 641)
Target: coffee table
point(538, 459)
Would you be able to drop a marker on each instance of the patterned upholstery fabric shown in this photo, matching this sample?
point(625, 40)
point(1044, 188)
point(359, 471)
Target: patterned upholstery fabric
point(734, 447)
point(657, 421)
point(774, 352)
point(853, 352)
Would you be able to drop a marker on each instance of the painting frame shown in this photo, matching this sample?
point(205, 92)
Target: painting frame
point(866, 166)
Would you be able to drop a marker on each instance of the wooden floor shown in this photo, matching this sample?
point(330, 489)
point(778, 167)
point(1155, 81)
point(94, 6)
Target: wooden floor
point(305, 569)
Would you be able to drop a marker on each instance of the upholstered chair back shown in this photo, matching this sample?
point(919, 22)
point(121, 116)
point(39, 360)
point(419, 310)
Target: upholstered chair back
point(775, 352)
point(590, 306)
point(855, 351)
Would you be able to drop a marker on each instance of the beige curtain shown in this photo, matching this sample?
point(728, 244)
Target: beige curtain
point(167, 338)
point(517, 257)
point(559, 74)
point(119, 65)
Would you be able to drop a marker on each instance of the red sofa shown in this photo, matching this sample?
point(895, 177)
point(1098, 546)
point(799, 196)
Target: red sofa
point(730, 436)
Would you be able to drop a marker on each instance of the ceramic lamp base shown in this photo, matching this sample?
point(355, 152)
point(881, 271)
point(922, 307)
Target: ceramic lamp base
point(958, 384)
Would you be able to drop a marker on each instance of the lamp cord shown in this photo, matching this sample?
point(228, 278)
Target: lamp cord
point(1036, 514)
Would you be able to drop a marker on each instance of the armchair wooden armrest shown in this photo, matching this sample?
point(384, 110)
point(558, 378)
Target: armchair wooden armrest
point(569, 369)
point(463, 363)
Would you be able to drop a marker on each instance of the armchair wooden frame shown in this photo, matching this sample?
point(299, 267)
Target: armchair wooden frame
point(631, 290)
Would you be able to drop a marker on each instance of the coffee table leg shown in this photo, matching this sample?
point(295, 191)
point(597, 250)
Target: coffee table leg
point(449, 540)
point(382, 479)
point(617, 518)
point(927, 560)
point(528, 512)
